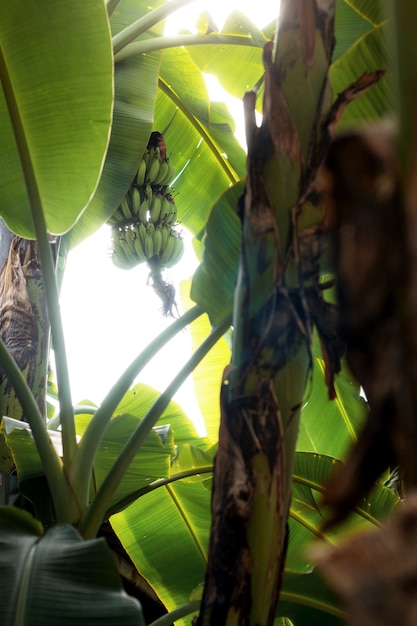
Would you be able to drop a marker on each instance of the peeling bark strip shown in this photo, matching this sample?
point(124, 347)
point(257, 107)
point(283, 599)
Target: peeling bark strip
point(23, 322)
point(17, 325)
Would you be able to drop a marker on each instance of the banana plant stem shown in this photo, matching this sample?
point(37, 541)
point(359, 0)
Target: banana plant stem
point(157, 484)
point(79, 409)
point(46, 260)
point(60, 492)
point(81, 468)
point(146, 22)
point(175, 41)
point(181, 611)
point(96, 511)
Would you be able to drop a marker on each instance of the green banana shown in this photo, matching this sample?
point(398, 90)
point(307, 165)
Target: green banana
point(157, 240)
point(148, 193)
point(135, 195)
point(155, 208)
point(140, 252)
point(149, 154)
point(142, 232)
point(129, 253)
point(177, 252)
point(125, 208)
point(149, 245)
point(164, 209)
point(143, 211)
point(165, 230)
point(153, 168)
point(171, 218)
point(167, 251)
point(140, 176)
point(130, 250)
point(162, 174)
point(169, 175)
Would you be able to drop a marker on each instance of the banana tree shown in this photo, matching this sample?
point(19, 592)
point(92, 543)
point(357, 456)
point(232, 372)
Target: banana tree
point(81, 493)
point(278, 303)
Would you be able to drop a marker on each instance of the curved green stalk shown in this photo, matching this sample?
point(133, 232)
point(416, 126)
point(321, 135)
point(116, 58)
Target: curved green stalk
point(61, 494)
point(181, 611)
point(47, 264)
point(319, 605)
point(145, 23)
point(156, 484)
point(81, 468)
point(322, 489)
point(176, 41)
point(96, 511)
point(79, 409)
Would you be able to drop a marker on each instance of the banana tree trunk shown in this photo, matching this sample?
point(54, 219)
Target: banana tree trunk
point(24, 325)
point(263, 388)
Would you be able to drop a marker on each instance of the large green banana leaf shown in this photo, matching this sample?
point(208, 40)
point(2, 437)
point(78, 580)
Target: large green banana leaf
point(152, 463)
point(199, 137)
point(241, 68)
point(56, 72)
point(136, 82)
point(322, 418)
point(375, 11)
point(166, 534)
point(199, 133)
point(138, 400)
point(58, 578)
point(238, 68)
point(207, 376)
point(349, 27)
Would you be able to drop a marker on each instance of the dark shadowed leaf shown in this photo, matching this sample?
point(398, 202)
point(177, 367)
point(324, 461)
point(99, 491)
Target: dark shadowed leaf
point(58, 578)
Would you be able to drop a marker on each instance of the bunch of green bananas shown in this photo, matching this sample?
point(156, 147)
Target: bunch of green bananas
point(136, 243)
point(144, 224)
point(155, 169)
point(145, 204)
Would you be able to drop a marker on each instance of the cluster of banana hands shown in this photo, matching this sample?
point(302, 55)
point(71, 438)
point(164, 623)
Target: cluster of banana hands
point(144, 225)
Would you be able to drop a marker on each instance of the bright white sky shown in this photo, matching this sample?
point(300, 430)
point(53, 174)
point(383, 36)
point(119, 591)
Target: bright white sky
point(110, 315)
